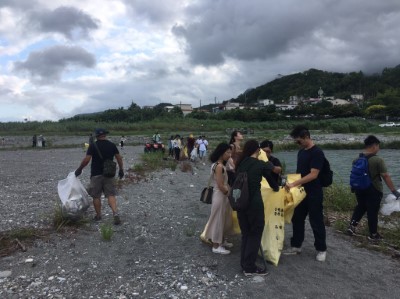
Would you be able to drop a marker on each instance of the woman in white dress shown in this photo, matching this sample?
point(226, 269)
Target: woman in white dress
point(220, 222)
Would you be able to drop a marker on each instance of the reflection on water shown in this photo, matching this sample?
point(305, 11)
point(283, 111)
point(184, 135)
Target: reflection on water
point(341, 163)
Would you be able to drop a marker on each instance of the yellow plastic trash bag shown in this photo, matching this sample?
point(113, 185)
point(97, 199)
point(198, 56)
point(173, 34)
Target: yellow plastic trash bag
point(203, 236)
point(235, 223)
point(293, 198)
point(274, 229)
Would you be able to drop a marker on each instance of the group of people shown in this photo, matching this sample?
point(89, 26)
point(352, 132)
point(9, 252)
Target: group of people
point(229, 159)
point(189, 148)
point(38, 141)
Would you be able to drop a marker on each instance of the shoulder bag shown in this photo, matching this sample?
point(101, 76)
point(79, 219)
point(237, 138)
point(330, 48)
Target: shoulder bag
point(206, 194)
point(109, 166)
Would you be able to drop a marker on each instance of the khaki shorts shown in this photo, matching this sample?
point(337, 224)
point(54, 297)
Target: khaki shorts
point(100, 184)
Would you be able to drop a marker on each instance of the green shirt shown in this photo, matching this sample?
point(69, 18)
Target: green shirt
point(377, 167)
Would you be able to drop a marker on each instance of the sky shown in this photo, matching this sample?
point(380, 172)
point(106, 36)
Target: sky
point(60, 58)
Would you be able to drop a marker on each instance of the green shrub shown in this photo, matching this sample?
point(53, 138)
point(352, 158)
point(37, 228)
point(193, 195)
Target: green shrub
point(106, 230)
point(338, 197)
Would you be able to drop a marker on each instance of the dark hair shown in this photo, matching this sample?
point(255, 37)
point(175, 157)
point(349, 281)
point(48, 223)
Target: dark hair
point(300, 131)
point(233, 135)
point(249, 148)
point(219, 151)
point(371, 140)
point(267, 143)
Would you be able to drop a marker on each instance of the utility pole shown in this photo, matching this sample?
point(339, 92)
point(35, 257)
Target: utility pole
point(200, 104)
point(215, 99)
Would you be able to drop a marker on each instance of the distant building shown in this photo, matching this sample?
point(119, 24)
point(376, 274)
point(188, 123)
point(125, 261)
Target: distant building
point(285, 106)
point(265, 102)
point(294, 100)
point(339, 102)
point(169, 108)
point(148, 107)
point(231, 106)
point(358, 97)
point(186, 108)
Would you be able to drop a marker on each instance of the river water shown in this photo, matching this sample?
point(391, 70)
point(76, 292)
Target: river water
point(341, 161)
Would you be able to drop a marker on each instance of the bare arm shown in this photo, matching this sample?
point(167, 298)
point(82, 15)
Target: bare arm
point(85, 162)
point(305, 179)
point(220, 179)
point(277, 169)
point(388, 181)
point(119, 161)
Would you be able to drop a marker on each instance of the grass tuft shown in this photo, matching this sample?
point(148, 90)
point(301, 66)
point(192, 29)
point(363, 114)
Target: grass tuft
point(106, 230)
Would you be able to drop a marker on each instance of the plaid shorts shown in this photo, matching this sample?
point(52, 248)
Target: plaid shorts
point(100, 184)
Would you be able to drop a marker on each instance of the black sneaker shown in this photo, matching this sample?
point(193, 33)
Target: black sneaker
point(117, 220)
point(375, 237)
point(97, 218)
point(257, 272)
point(351, 230)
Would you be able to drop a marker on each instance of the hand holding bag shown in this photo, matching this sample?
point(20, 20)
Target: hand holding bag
point(206, 194)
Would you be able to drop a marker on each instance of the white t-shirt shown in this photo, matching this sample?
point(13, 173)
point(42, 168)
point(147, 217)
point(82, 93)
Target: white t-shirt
point(203, 145)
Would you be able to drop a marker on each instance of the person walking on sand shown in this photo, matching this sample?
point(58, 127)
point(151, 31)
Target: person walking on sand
point(34, 140)
point(310, 160)
point(98, 182)
point(122, 141)
point(252, 220)
point(369, 199)
point(190, 144)
point(220, 222)
point(177, 145)
point(203, 144)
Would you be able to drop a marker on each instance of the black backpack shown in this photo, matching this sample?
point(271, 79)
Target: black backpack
point(325, 175)
point(239, 193)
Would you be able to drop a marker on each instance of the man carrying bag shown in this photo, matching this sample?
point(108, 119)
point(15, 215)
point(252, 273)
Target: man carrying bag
point(102, 151)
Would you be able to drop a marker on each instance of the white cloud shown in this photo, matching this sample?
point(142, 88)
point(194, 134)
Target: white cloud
point(178, 50)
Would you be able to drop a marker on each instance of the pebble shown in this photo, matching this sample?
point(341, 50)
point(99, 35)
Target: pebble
point(4, 274)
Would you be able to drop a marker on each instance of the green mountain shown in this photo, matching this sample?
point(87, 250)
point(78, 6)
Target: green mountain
point(339, 85)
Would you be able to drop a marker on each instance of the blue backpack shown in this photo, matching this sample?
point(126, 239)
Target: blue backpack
point(359, 175)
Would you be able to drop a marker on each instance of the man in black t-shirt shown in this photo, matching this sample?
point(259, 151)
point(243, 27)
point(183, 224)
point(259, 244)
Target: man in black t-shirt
point(98, 183)
point(310, 160)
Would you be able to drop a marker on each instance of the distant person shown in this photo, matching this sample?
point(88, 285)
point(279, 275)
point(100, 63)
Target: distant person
point(40, 141)
point(310, 160)
point(177, 145)
point(34, 141)
point(190, 143)
point(252, 220)
point(3, 141)
point(267, 146)
point(98, 183)
point(170, 146)
point(43, 141)
point(156, 138)
point(122, 141)
point(203, 144)
point(219, 223)
point(369, 200)
point(235, 143)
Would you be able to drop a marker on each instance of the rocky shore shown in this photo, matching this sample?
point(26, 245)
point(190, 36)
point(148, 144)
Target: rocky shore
point(156, 252)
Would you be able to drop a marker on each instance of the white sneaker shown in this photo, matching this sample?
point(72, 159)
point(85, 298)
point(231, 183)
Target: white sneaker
point(226, 244)
point(321, 256)
point(220, 250)
point(292, 251)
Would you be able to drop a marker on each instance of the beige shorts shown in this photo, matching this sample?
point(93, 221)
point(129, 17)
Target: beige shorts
point(100, 184)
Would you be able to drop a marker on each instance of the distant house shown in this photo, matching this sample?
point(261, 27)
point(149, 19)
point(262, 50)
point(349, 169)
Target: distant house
point(168, 108)
point(285, 106)
point(339, 102)
point(231, 106)
point(265, 102)
point(148, 107)
point(312, 101)
point(186, 108)
point(357, 97)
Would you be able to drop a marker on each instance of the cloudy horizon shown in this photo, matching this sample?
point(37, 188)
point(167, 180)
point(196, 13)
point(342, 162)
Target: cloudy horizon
point(63, 58)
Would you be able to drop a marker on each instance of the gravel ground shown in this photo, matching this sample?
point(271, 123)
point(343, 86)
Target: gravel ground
point(156, 252)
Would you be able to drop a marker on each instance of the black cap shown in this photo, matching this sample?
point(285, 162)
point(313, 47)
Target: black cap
point(98, 132)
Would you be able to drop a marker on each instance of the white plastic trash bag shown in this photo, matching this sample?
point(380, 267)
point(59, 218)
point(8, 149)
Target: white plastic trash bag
point(73, 196)
point(390, 205)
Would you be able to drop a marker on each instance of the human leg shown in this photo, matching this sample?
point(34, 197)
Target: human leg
point(254, 226)
point(358, 212)
point(298, 223)
point(316, 217)
point(95, 190)
point(373, 204)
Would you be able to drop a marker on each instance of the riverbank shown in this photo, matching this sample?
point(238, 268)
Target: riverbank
point(156, 252)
